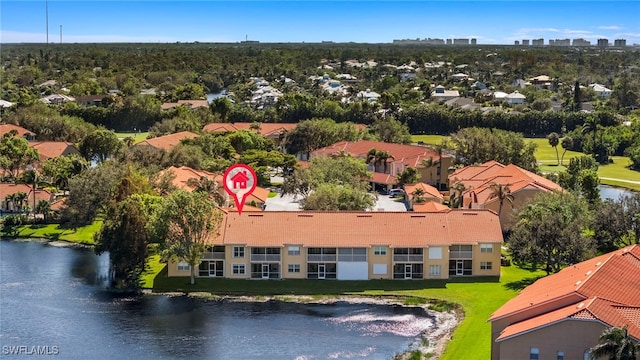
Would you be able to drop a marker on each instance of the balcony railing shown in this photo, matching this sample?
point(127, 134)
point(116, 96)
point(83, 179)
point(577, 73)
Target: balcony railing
point(407, 257)
point(213, 256)
point(265, 257)
point(460, 254)
point(321, 258)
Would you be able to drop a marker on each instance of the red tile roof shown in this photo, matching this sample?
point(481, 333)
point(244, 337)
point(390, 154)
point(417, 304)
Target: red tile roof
point(52, 149)
point(7, 189)
point(362, 229)
point(184, 173)
point(168, 142)
point(429, 191)
point(478, 179)
point(409, 155)
point(613, 277)
point(430, 206)
point(5, 128)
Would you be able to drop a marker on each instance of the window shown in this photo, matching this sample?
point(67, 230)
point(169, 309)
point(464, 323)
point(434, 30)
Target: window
point(534, 354)
point(294, 250)
point(486, 248)
point(294, 268)
point(486, 265)
point(435, 253)
point(238, 251)
point(237, 269)
point(434, 270)
point(183, 266)
point(380, 250)
point(560, 355)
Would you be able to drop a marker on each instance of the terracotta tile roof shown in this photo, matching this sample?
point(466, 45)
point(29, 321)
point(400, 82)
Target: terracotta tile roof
point(5, 128)
point(381, 178)
point(430, 206)
point(7, 189)
point(409, 155)
point(592, 309)
point(614, 276)
point(184, 173)
point(478, 180)
point(52, 149)
point(266, 129)
point(429, 191)
point(245, 208)
point(362, 229)
point(192, 104)
point(168, 142)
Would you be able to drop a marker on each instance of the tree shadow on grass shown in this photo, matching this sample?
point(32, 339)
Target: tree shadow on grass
point(521, 284)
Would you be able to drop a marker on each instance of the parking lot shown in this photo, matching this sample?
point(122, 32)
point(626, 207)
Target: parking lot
point(289, 203)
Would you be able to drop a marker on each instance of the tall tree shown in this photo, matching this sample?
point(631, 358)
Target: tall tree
point(333, 197)
point(502, 193)
point(615, 343)
point(100, 145)
point(15, 153)
point(185, 225)
point(567, 144)
point(554, 139)
point(552, 231)
point(43, 207)
point(409, 175)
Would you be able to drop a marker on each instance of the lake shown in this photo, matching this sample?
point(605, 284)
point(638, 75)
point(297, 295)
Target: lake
point(53, 300)
point(614, 193)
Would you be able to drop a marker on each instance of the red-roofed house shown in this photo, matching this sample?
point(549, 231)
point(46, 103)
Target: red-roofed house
point(401, 157)
point(422, 193)
point(565, 313)
point(53, 149)
point(167, 142)
point(353, 245)
point(8, 205)
point(21, 132)
point(191, 104)
point(478, 193)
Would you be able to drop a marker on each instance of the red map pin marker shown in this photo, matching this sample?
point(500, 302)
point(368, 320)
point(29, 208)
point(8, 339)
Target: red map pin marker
point(239, 181)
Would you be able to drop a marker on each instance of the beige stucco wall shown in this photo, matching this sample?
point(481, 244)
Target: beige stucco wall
point(172, 270)
point(572, 337)
point(294, 259)
point(509, 214)
point(493, 257)
point(229, 260)
point(430, 175)
point(444, 263)
point(386, 259)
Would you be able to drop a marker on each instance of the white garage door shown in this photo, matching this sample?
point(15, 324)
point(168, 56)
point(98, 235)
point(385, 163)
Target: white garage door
point(349, 270)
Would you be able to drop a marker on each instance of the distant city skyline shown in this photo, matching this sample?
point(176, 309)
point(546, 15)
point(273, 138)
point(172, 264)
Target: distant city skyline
point(490, 22)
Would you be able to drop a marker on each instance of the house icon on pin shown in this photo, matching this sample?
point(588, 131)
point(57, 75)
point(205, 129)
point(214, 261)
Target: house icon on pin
point(240, 180)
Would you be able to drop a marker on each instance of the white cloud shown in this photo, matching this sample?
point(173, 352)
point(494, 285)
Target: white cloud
point(609, 27)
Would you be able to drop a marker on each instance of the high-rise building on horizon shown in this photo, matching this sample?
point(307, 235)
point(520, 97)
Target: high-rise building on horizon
point(525, 42)
point(603, 42)
point(620, 42)
point(537, 42)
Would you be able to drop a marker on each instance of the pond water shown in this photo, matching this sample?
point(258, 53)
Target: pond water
point(614, 193)
point(54, 300)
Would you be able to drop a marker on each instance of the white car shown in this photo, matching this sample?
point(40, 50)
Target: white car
point(396, 192)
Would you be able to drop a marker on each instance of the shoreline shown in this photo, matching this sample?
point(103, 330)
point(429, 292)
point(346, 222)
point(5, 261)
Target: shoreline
point(432, 342)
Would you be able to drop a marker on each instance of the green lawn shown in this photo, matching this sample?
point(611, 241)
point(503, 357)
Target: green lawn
point(479, 297)
point(81, 235)
point(140, 136)
point(612, 174)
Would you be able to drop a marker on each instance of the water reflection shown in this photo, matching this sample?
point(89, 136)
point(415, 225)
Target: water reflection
point(57, 297)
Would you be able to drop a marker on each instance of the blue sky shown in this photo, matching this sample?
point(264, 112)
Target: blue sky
point(490, 22)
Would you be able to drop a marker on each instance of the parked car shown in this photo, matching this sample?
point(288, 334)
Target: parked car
point(396, 192)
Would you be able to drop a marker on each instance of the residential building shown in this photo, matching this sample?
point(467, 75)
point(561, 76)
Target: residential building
point(273, 131)
point(53, 149)
point(191, 104)
point(581, 42)
point(368, 96)
point(167, 142)
point(352, 246)
point(441, 94)
point(603, 42)
point(562, 315)
point(460, 41)
point(525, 42)
point(20, 131)
point(620, 42)
point(9, 205)
point(478, 179)
point(421, 193)
point(515, 98)
point(601, 90)
point(400, 157)
point(57, 99)
point(537, 42)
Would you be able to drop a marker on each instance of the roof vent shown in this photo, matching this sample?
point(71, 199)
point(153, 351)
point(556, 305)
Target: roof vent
point(363, 216)
point(305, 215)
point(418, 216)
point(578, 282)
point(469, 213)
point(581, 305)
point(256, 215)
point(599, 263)
point(588, 273)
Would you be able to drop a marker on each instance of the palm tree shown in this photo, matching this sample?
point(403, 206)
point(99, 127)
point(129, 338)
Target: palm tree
point(455, 195)
point(616, 344)
point(429, 163)
point(43, 208)
point(19, 200)
point(554, 139)
point(417, 196)
point(208, 186)
point(502, 192)
point(591, 126)
point(10, 199)
point(567, 143)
